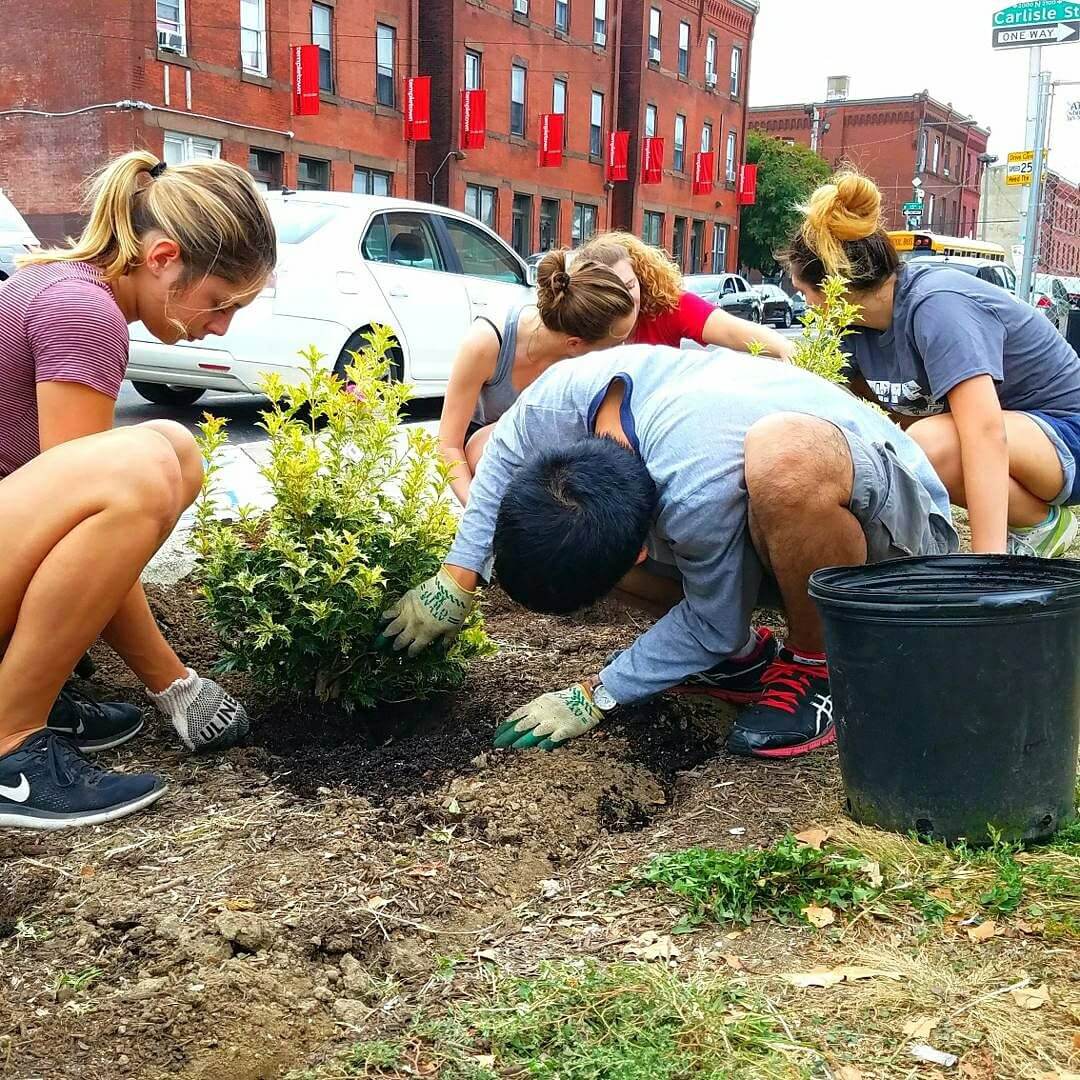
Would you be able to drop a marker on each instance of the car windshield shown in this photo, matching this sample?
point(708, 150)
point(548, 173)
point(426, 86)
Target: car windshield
point(10, 220)
point(296, 221)
point(701, 284)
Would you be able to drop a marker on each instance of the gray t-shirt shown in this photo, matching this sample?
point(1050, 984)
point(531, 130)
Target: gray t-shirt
point(687, 414)
point(949, 326)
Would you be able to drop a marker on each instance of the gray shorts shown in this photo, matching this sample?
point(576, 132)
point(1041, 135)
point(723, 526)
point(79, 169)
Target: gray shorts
point(896, 512)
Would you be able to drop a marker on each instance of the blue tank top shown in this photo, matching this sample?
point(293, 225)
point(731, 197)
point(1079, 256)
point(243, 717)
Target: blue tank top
point(498, 393)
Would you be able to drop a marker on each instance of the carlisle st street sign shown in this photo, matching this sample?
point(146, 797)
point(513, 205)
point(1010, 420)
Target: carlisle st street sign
point(1024, 25)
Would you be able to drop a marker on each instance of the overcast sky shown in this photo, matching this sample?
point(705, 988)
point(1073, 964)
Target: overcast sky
point(894, 48)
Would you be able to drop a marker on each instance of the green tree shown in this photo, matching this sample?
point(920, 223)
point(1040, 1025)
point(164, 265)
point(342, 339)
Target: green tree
point(787, 174)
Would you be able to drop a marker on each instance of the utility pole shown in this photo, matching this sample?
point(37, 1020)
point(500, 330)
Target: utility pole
point(1031, 221)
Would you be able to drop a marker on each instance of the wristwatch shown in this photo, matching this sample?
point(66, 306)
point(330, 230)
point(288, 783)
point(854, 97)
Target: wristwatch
point(602, 698)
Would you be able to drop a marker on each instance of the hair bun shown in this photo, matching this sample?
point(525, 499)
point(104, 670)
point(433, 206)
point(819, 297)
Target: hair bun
point(560, 281)
point(849, 207)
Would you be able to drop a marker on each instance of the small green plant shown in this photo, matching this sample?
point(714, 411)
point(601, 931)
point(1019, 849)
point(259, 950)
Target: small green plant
point(819, 349)
point(780, 881)
point(361, 514)
point(77, 980)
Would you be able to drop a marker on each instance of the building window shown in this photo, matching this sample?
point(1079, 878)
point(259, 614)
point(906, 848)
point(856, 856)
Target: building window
point(371, 181)
point(930, 201)
point(650, 121)
point(596, 125)
point(970, 176)
point(253, 36)
point(549, 224)
point(180, 148)
point(313, 175)
point(562, 15)
point(322, 34)
point(521, 7)
point(697, 245)
point(654, 34)
point(385, 42)
point(719, 248)
point(265, 167)
point(599, 22)
point(480, 203)
point(736, 70)
point(679, 159)
point(558, 103)
point(935, 161)
point(584, 224)
point(684, 49)
point(517, 100)
point(729, 163)
point(521, 225)
point(652, 228)
point(473, 70)
point(706, 138)
point(710, 60)
point(922, 152)
point(172, 26)
point(678, 242)
point(948, 155)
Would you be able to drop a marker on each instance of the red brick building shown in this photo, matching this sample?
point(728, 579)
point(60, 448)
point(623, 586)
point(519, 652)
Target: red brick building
point(1059, 234)
point(192, 78)
point(895, 140)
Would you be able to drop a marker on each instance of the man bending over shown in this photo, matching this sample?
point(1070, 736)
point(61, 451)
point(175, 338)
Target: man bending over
point(682, 482)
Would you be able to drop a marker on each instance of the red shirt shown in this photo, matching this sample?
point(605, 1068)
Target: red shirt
point(670, 327)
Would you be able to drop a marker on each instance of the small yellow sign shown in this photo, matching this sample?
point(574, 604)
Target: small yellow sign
point(1020, 166)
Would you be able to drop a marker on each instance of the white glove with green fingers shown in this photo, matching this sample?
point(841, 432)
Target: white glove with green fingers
point(436, 609)
point(551, 719)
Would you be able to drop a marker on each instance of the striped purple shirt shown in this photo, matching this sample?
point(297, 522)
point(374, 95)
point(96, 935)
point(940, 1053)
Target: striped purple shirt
point(58, 323)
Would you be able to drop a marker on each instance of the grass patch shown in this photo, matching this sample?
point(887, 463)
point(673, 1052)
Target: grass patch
point(781, 880)
point(594, 1022)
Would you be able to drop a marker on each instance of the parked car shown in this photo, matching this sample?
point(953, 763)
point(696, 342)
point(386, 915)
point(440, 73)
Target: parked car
point(345, 263)
point(728, 291)
point(798, 305)
point(16, 237)
point(776, 306)
point(1050, 295)
point(997, 273)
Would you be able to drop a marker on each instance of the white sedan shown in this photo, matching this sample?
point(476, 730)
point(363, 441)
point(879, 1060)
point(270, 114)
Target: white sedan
point(345, 263)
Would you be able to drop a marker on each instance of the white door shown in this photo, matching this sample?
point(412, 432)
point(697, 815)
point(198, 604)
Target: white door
point(494, 276)
point(427, 299)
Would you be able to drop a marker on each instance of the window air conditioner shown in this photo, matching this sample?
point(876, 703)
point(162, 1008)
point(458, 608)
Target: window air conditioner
point(654, 56)
point(521, 7)
point(710, 79)
point(600, 38)
point(170, 41)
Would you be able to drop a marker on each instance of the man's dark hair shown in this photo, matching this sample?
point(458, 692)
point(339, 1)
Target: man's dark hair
point(571, 524)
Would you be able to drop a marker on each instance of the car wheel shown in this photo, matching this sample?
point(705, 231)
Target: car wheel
point(787, 318)
point(168, 394)
point(357, 343)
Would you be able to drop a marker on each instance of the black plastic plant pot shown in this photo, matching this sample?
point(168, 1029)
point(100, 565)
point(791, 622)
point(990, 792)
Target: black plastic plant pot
point(956, 690)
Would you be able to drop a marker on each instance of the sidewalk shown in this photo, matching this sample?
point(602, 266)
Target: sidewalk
point(239, 483)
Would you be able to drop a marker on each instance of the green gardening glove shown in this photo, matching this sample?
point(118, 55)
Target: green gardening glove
point(436, 609)
point(550, 720)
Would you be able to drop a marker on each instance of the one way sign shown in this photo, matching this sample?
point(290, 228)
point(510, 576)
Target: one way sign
point(1023, 37)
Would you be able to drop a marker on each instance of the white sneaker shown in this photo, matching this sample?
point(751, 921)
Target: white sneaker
point(1051, 539)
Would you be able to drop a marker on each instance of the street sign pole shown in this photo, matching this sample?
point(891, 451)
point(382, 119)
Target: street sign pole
point(1034, 71)
point(1031, 222)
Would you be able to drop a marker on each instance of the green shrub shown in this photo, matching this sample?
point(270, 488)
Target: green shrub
point(296, 592)
point(818, 348)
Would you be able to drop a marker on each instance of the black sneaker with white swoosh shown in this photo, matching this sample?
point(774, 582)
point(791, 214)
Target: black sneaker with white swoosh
point(92, 725)
point(45, 783)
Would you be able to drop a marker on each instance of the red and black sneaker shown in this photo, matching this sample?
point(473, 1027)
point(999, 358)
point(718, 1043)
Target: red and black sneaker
point(794, 714)
point(739, 681)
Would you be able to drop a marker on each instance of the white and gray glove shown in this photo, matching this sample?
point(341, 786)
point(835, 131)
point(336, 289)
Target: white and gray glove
point(550, 720)
point(204, 715)
point(435, 610)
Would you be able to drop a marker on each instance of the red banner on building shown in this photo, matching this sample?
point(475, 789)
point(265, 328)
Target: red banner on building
point(704, 172)
point(618, 156)
point(747, 185)
point(652, 159)
point(418, 108)
point(473, 119)
point(305, 80)
point(550, 141)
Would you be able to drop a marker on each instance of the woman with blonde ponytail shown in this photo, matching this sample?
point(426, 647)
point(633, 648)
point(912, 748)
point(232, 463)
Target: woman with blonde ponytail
point(984, 383)
point(579, 307)
point(82, 507)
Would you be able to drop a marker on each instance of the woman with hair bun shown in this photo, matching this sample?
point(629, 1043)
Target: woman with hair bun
point(579, 308)
point(668, 313)
point(983, 382)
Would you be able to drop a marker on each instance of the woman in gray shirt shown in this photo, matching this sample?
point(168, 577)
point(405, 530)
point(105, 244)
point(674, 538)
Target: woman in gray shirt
point(983, 382)
point(578, 309)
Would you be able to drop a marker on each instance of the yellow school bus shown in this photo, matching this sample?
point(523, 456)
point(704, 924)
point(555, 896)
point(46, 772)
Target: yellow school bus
point(918, 242)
